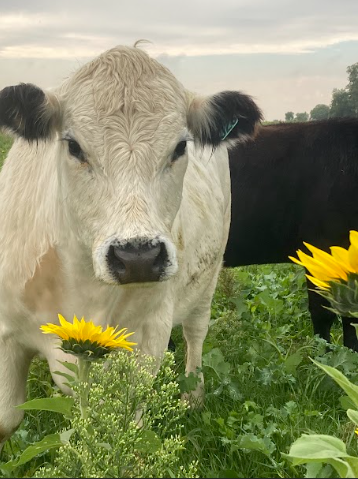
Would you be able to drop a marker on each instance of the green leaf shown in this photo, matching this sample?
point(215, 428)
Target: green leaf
point(292, 362)
point(353, 416)
point(241, 306)
point(65, 436)
point(350, 388)
point(188, 382)
point(70, 378)
point(206, 417)
point(214, 359)
point(62, 405)
point(353, 462)
point(254, 443)
point(313, 469)
point(71, 366)
point(318, 470)
point(346, 402)
point(105, 445)
point(50, 441)
point(148, 443)
point(323, 449)
point(318, 447)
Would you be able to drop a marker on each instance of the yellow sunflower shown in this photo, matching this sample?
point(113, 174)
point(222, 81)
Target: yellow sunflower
point(325, 267)
point(84, 338)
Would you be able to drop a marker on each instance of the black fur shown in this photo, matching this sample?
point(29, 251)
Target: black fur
point(226, 108)
point(295, 182)
point(22, 111)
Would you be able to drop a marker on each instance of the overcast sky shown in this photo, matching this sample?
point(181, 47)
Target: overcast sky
point(288, 54)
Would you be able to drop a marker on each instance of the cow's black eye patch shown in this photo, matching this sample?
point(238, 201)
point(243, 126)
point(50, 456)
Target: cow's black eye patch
point(179, 150)
point(75, 150)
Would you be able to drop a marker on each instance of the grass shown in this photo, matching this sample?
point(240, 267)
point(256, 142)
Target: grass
point(262, 391)
point(5, 144)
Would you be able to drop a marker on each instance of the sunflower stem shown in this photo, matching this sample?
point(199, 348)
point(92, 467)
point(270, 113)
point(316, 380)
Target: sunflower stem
point(83, 376)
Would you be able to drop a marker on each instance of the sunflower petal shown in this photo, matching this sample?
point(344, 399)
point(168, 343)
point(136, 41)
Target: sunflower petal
point(317, 282)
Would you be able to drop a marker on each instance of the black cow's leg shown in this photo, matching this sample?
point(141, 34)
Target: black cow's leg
point(171, 345)
point(349, 333)
point(322, 318)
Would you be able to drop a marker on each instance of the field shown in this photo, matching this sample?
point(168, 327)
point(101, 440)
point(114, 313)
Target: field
point(262, 390)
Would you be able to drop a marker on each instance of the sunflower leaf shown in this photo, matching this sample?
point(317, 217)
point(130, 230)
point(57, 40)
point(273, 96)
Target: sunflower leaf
point(69, 377)
point(62, 405)
point(51, 441)
point(350, 389)
point(71, 366)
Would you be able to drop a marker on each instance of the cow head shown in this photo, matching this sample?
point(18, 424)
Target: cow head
point(123, 125)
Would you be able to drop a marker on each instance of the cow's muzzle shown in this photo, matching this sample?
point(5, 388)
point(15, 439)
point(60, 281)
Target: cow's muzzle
point(137, 261)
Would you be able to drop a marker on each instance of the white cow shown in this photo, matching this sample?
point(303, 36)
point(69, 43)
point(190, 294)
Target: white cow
point(112, 208)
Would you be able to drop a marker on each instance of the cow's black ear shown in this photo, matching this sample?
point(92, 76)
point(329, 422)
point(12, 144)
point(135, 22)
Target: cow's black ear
point(27, 111)
point(228, 115)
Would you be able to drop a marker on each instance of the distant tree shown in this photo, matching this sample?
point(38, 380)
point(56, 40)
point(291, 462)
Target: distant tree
point(341, 104)
point(320, 112)
point(301, 116)
point(289, 116)
point(352, 87)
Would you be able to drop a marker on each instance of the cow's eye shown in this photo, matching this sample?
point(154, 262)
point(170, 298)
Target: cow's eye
point(179, 150)
point(76, 151)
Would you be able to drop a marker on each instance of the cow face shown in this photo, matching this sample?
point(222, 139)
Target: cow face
point(124, 126)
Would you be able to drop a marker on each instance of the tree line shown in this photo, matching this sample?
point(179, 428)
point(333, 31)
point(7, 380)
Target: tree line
point(344, 102)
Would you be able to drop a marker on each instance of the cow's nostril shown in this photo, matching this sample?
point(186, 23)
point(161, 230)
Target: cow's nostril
point(114, 259)
point(162, 257)
point(131, 263)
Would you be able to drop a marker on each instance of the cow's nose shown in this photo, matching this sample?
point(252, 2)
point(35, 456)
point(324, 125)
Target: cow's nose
point(137, 263)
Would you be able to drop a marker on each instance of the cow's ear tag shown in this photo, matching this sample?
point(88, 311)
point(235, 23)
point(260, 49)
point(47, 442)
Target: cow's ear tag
point(229, 129)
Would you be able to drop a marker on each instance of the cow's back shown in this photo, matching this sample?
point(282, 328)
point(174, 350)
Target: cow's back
point(295, 182)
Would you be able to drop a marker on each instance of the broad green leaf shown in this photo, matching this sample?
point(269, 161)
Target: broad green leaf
point(214, 359)
point(346, 402)
point(318, 470)
point(350, 388)
point(342, 467)
point(323, 449)
point(254, 443)
point(317, 447)
point(353, 416)
point(313, 469)
point(71, 366)
point(65, 436)
point(353, 462)
point(62, 405)
point(70, 378)
point(188, 382)
point(292, 362)
point(355, 326)
point(50, 441)
point(105, 445)
point(148, 443)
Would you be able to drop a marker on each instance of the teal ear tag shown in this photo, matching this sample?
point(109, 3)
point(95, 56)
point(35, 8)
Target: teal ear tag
point(229, 129)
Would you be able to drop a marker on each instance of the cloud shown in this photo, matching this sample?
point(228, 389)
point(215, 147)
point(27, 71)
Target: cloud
point(67, 29)
point(288, 54)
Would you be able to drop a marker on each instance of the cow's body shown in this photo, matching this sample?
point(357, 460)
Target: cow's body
point(83, 217)
point(295, 182)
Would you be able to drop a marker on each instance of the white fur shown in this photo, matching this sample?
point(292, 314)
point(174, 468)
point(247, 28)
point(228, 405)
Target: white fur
point(59, 216)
